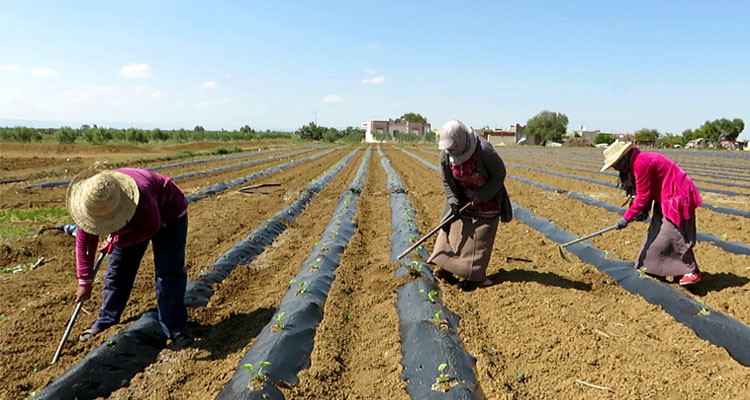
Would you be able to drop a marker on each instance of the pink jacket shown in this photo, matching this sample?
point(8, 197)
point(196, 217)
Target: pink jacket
point(659, 178)
point(161, 202)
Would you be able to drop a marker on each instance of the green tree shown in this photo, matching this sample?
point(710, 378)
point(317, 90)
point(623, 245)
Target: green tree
point(669, 140)
point(311, 131)
point(547, 124)
point(604, 138)
point(66, 135)
point(199, 128)
point(717, 129)
point(645, 135)
point(413, 117)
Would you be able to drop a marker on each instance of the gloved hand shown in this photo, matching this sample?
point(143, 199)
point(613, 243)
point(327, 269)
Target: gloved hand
point(621, 223)
point(454, 211)
point(452, 215)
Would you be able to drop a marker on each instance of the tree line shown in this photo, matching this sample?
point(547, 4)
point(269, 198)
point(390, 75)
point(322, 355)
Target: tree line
point(552, 126)
point(102, 135)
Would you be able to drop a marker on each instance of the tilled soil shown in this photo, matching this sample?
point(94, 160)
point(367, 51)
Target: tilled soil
point(38, 303)
point(547, 324)
point(357, 349)
point(54, 161)
point(546, 330)
point(242, 305)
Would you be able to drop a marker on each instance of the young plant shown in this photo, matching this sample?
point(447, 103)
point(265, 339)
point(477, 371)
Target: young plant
point(278, 326)
point(443, 381)
point(704, 308)
point(436, 316)
point(302, 287)
point(431, 296)
point(258, 376)
point(642, 272)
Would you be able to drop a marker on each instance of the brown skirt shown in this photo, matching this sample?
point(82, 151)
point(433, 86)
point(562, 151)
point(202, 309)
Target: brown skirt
point(668, 250)
point(467, 249)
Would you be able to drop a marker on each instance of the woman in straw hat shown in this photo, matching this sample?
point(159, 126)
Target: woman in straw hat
point(473, 173)
point(667, 249)
point(133, 206)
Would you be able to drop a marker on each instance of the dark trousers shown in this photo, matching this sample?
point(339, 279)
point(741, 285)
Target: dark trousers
point(169, 260)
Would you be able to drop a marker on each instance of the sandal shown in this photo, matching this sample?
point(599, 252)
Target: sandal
point(181, 340)
point(445, 276)
point(88, 334)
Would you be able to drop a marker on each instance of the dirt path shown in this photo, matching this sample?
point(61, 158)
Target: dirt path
point(357, 349)
point(547, 324)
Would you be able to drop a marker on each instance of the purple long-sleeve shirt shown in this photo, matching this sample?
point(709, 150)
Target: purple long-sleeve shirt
point(161, 201)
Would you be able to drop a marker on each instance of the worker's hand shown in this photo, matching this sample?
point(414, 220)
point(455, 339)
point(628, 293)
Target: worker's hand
point(475, 202)
point(454, 211)
point(621, 223)
point(83, 293)
point(107, 246)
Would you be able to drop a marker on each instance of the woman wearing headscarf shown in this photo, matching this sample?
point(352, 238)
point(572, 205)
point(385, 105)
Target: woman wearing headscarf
point(473, 173)
point(667, 249)
point(134, 207)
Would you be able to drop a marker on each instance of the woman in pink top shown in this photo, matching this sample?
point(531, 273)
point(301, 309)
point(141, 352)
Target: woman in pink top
point(133, 206)
point(653, 178)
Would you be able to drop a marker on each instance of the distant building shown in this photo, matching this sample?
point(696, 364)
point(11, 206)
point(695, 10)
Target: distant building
point(392, 127)
point(586, 135)
point(498, 137)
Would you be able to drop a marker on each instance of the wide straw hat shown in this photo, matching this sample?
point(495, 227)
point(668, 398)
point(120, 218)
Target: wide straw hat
point(102, 201)
point(614, 152)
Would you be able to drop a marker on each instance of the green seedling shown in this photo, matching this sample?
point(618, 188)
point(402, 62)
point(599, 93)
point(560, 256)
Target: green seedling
point(279, 326)
point(431, 296)
point(293, 281)
point(436, 316)
point(349, 318)
point(258, 376)
point(724, 236)
point(704, 307)
point(302, 287)
point(442, 382)
point(642, 272)
point(3, 318)
point(420, 291)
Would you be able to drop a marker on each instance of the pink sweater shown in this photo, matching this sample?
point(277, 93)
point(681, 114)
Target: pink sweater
point(659, 178)
point(161, 201)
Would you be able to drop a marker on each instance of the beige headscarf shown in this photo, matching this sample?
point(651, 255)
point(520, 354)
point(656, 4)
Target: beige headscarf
point(458, 140)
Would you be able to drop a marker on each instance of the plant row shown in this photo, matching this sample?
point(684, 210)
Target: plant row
point(283, 347)
point(707, 323)
point(52, 184)
point(434, 360)
point(131, 350)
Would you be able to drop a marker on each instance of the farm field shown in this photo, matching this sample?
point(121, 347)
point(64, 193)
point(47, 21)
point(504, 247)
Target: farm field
point(547, 329)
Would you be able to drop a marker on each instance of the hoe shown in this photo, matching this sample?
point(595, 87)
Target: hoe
point(561, 248)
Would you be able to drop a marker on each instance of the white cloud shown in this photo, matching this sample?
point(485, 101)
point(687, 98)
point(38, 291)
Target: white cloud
point(208, 85)
point(373, 45)
point(333, 98)
point(226, 100)
point(158, 94)
point(376, 80)
point(204, 105)
point(137, 71)
point(9, 68)
point(371, 71)
point(43, 72)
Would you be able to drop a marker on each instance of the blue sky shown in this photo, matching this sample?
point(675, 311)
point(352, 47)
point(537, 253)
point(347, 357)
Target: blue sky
point(609, 66)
